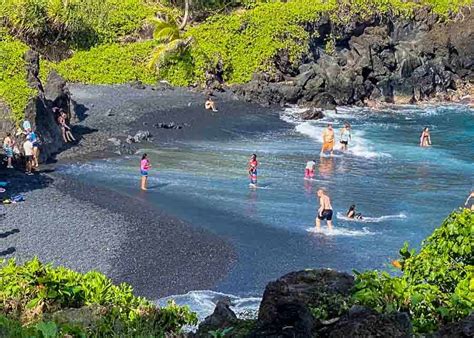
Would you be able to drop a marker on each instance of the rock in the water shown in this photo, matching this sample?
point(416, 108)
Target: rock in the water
point(286, 308)
point(312, 114)
point(363, 322)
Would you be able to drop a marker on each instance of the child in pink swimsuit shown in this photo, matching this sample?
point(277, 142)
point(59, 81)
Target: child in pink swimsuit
point(144, 167)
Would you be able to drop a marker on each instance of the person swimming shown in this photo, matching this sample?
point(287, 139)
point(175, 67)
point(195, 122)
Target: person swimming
point(252, 169)
point(351, 213)
point(425, 138)
point(309, 170)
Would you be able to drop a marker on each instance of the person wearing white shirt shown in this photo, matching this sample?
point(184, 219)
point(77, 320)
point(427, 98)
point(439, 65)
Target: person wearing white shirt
point(28, 149)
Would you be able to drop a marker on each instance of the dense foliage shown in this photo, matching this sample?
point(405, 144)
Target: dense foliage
point(107, 64)
point(78, 23)
point(436, 285)
point(14, 90)
point(36, 297)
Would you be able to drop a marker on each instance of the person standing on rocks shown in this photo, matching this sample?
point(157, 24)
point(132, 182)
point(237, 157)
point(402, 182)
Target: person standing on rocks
point(8, 145)
point(144, 168)
point(252, 169)
point(325, 210)
point(345, 136)
point(425, 138)
point(328, 140)
point(65, 129)
point(28, 149)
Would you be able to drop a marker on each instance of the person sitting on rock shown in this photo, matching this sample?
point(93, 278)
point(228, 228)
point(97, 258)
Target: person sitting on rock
point(65, 129)
point(210, 104)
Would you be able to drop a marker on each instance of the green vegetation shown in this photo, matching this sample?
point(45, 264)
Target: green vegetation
point(14, 90)
point(58, 301)
point(436, 285)
point(107, 64)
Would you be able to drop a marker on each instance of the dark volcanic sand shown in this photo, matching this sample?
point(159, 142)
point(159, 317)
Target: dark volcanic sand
point(85, 227)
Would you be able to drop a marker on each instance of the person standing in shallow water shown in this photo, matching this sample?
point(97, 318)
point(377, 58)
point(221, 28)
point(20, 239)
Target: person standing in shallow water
point(345, 136)
point(425, 138)
point(325, 210)
point(144, 168)
point(328, 140)
point(252, 169)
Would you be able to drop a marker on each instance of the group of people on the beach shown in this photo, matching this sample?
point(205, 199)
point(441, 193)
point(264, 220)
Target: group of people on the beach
point(27, 140)
point(25, 145)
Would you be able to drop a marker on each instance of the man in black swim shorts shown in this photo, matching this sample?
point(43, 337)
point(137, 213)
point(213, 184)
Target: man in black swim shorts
point(325, 210)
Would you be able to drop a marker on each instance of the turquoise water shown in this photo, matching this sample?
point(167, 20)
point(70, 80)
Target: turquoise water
point(405, 190)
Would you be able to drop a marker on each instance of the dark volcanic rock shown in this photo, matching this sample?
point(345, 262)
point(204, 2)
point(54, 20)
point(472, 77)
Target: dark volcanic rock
point(286, 306)
point(396, 60)
point(222, 317)
point(363, 322)
point(463, 328)
point(312, 114)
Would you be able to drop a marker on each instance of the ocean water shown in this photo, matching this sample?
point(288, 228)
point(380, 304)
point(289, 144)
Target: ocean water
point(404, 191)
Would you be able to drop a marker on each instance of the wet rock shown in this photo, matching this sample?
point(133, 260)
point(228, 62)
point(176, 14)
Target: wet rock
point(171, 125)
point(137, 85)
point(312, 114)
point(141, 135)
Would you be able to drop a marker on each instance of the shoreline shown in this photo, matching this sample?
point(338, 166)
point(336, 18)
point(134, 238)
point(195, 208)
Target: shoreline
point(86, 227)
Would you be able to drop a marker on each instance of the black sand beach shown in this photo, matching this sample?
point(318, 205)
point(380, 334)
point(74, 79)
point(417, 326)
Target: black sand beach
point(89, 228)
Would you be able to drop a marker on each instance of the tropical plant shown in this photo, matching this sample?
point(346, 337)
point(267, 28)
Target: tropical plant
point(437, 284)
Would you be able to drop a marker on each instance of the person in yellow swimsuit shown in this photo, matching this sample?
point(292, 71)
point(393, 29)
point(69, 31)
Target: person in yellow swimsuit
point(328, 140)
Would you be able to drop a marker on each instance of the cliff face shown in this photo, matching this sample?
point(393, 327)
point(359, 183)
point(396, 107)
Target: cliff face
point(381, 59)
point(39, 110)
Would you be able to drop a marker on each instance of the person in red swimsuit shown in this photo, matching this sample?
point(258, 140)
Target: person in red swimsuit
point(252, 168)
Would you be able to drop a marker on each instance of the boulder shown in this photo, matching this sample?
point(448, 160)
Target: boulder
point(141, 135)
point(364, 322)
point(312, 114)
point(287, 304)
point(463, 328)
point(222, 317)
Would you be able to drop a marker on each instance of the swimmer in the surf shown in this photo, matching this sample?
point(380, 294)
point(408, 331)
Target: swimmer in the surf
point(328, 140)
point(325, 210)
point(351, 213)
point(309, 170)
point(252, 169)
point(425, 138)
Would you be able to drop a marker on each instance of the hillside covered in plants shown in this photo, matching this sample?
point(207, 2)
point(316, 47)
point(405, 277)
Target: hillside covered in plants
point(218, 43)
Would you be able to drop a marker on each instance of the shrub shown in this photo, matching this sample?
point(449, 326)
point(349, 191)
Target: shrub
point(39, 297)
point(78, 23)
point(107, 64)
point(436, 285)
point(14, 89)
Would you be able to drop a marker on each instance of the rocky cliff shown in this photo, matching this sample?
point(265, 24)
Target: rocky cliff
point(380, 59)
point(39, 110)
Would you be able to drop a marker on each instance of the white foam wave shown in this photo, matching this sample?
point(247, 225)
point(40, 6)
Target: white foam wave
point(341, 232)
point(203, 303)
point(371, 219)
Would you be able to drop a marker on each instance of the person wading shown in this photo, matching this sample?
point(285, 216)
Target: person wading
point(325, 210)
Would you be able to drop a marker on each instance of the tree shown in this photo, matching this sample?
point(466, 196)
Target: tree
point(169, 33)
